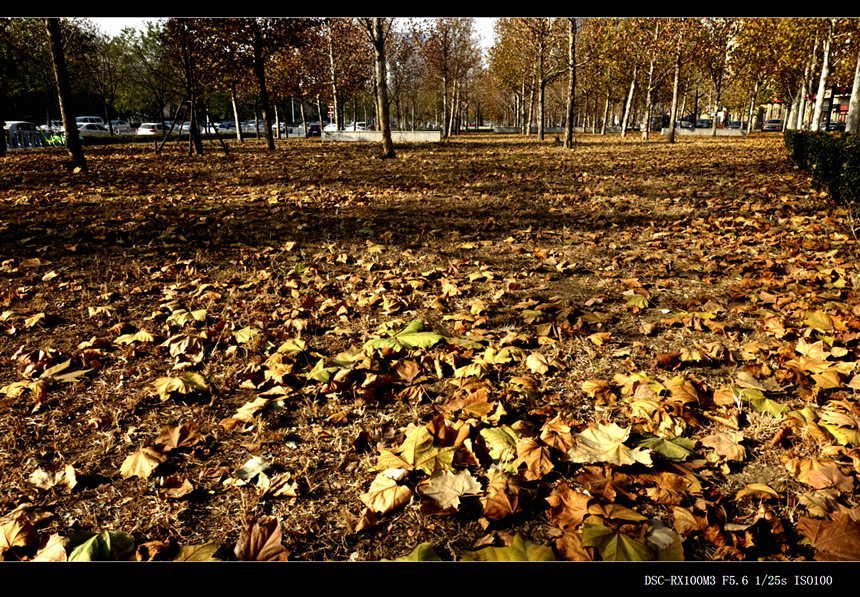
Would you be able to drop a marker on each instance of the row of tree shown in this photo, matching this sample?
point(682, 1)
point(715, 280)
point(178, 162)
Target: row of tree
point(625, 71)
point(412, 73)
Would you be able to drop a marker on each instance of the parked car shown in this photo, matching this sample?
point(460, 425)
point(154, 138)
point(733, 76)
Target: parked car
point(14, 126)
point(228, 126)
point(833, 125)
point(120, 126)
point(55, 126)
point(89, 129)
point(356, 126)
point(89, 120)
point(775, 124)
point(330, 127)
point(314, 129)
point(150, 128)
point(704, 123)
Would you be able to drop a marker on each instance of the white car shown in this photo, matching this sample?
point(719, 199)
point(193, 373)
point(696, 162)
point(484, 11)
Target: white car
point(89, 120)
point(91, 129)
point(14, 126)
point(330, 127)
point(150, 128)
point(120, 126)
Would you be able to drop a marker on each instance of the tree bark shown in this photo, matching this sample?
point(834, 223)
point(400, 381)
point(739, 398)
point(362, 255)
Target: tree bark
point(337, 119)
point(676, 80)
point(822, 80)
point(629, 103)
point(377, 35)
point(571, 83)
point(64, 94)
point(851, 122)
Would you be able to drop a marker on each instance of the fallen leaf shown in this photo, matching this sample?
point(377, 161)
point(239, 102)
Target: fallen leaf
point(260, 541)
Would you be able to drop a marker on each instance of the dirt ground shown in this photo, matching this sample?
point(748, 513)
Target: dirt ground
point(215, 353)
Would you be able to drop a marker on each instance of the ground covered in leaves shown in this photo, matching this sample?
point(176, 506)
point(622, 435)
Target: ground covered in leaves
point(488, 349)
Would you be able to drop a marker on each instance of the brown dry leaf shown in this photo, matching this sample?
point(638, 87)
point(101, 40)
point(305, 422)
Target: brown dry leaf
point(556, 434)
point(385, 494)
point(260, 541)
point(834, 539)
point(179, 436)
point(280, 485)
point(53, 550)
point(53, 476)
point(16, 531)
point(175, 487)
point(535, 456)
point(599, 390)
point(757, 490)
point(568, 508)
point(501, 498)
point(446, 488)
point(569, 546)
point(537, 363)
point(726, 445)
point(604, 442)
point(830, 475)
point(142, 463)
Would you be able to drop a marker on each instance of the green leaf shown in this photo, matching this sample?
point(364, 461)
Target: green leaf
point(422, 553)
point(614, 546)
point(520, 550)
point(321, 373)
point(248, 335)
point(294, 346)
point(675, 448)
point(412, 335)
point(204, 552)
point(106, 546)
point(636, 300)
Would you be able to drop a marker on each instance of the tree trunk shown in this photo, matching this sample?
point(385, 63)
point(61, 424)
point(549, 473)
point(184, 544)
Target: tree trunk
point(676, 80)
point(337, 120)
point(605, 115)
point(235, 102)
point(822, 80)
point(265, 107)
point(64, 94)
point(571, 82)
point(628, 104)
point(378, 35)
point(851, 122)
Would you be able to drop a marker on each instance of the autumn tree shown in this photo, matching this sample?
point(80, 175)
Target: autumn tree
point(64, 94)
point(378, 29)
point(450, 49)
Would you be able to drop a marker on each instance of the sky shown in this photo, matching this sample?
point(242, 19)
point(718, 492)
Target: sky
point(113, 25)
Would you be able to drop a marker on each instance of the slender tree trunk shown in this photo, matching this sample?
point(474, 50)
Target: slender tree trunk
point(571, 82)
point(64, 94)
point(333, 71)
point(752, 106)
point(235, 102)
point(822, 80)
point(676, 80)
point(605, 114)
point(628, 104)
point(851, 122)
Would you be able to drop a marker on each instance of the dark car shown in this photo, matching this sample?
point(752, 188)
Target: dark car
point(314, 130)
point(704, 123)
